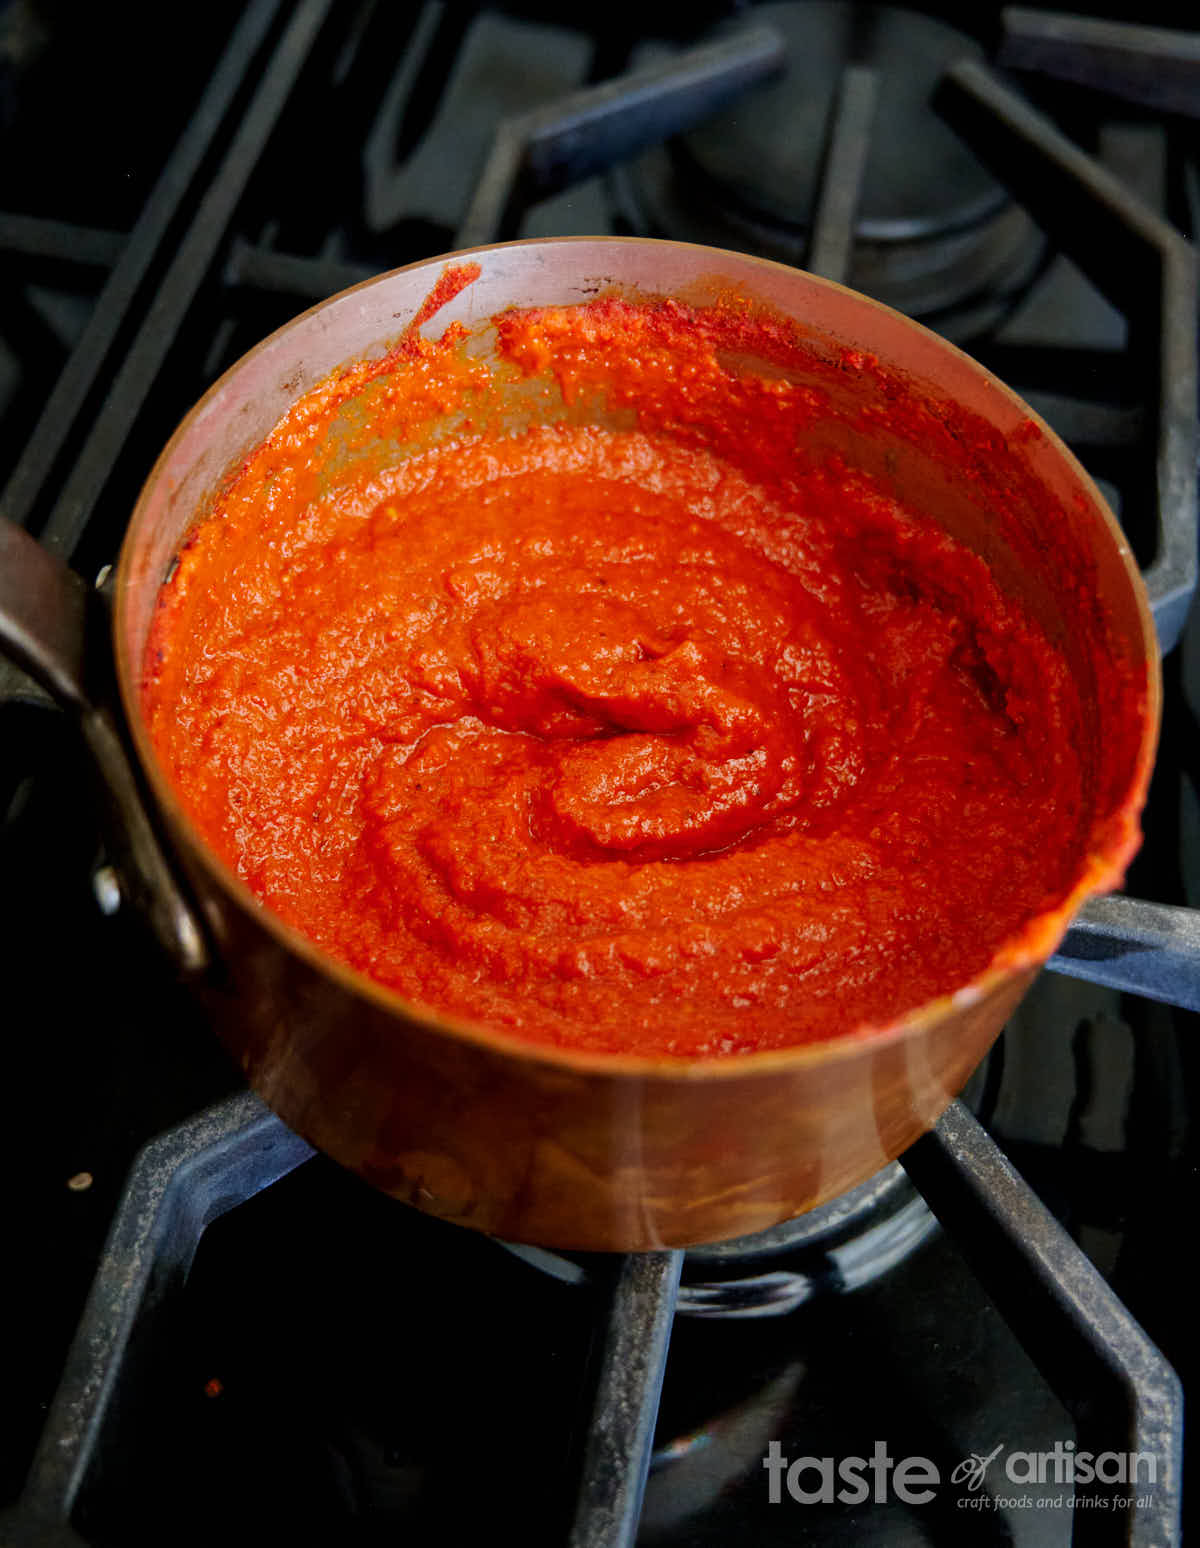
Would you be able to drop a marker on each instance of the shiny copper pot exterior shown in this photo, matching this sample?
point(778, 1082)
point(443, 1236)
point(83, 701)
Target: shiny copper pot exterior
point(537, 1144)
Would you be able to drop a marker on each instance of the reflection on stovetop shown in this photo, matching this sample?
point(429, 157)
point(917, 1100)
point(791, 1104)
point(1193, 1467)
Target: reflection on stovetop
point(337, 1368)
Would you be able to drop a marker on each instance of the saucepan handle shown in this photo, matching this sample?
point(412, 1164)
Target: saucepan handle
point(53, 626)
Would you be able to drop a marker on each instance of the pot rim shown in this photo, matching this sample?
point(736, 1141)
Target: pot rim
point(1101, 870)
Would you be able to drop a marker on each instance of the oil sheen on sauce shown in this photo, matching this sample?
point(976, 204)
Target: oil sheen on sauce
point(665, 735)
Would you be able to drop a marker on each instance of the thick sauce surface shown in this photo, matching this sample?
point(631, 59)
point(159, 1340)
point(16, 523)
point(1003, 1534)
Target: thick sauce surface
point(661, 738)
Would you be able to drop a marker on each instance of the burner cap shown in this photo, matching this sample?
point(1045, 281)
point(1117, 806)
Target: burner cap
point(935, 235)
point(766, 151)
point(838, 1247)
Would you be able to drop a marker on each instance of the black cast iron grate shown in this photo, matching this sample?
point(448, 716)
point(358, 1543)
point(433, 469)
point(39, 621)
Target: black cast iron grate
point(1122, 1393)
point(1114, 1381)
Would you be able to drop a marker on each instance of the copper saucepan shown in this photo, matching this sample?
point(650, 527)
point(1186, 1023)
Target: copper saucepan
point(545, 1145)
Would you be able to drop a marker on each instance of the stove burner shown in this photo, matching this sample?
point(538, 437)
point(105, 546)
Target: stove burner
point(936, 235)
point(840, 1246)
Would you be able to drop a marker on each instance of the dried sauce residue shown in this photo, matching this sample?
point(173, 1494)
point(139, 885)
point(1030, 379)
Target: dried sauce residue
point(672, 738)
point(455, 277)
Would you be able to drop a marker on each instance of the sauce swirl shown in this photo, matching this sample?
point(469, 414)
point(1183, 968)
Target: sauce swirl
point(665, 734)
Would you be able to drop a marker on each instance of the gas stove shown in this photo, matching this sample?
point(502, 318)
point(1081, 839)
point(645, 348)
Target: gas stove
point(215, 1334)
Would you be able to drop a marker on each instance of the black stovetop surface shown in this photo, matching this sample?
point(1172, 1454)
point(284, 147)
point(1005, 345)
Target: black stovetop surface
point(339, 1368)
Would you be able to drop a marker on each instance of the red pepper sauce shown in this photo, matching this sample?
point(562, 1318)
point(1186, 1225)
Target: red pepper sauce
point(669, 738)
point(454, 278)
